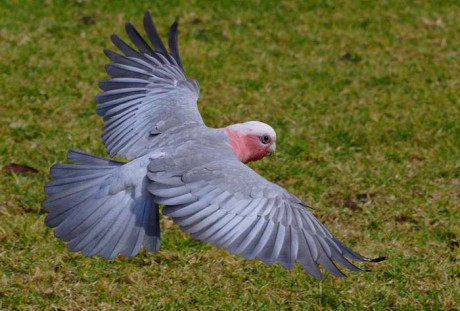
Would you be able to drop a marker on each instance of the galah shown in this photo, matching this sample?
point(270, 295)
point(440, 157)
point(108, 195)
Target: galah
point(149, 106)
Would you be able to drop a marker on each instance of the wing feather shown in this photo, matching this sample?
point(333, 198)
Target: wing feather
point(213, 229)
point(229, 240)
point(173, 43)
point(153, 34)
point(262, 241)
point(237, 209)
point(252, 236)
point(191, 221)
point(148, 92)
point(137, 39)
point(219, 237)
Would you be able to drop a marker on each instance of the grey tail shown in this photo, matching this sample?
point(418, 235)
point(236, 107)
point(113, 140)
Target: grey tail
point(96, 212)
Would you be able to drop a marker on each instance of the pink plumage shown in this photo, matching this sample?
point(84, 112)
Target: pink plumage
point(251, 141)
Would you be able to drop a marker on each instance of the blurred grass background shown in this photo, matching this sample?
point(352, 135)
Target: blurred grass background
point(365, 101)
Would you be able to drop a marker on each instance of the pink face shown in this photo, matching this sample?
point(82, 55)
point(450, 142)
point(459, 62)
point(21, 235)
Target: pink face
point(251, 141)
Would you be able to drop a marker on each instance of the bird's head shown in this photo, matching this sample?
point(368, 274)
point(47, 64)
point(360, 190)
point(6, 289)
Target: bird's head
point(252, 140)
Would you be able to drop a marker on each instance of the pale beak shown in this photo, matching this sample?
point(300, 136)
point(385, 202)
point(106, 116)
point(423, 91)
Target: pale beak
point(272, 149)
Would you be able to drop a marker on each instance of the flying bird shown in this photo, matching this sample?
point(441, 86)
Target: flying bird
point(149, 106)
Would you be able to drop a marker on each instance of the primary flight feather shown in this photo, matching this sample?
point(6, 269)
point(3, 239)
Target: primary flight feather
point(105, 207)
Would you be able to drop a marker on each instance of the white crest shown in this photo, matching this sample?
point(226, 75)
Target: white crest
point(255, 128)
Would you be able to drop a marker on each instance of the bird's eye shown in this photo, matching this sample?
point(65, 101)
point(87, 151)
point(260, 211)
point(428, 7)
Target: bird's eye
point(265, 139)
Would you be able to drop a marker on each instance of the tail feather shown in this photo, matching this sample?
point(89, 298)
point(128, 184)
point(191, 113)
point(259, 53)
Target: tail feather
point(151, 242)
point(98, 211)
point(63, 209)
point(77, 221)
point(76, 183)
point(91, 239)
point(85, 158)
point(70, 170)
point(125, 238)
point(111, 234)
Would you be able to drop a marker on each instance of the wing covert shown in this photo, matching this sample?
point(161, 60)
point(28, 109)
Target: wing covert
point(148, 92)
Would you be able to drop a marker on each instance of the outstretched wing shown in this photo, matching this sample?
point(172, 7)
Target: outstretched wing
point(228, 204)
point(148, 94)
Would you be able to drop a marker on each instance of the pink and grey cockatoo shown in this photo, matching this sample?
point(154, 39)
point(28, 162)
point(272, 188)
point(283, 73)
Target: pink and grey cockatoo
point(105, 207)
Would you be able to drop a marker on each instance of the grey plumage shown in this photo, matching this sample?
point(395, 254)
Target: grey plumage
point(95, 213)
point(105, 207)
point(149, 92)
point(273, 227)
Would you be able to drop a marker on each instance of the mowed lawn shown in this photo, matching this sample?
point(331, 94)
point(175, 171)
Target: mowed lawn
point(365, 102)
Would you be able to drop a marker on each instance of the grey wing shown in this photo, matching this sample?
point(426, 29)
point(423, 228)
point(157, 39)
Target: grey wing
point(149, 92)
point(228, 204)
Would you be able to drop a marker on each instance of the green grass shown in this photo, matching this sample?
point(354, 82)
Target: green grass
point(365, 102)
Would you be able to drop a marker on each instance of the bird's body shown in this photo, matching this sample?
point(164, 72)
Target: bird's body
point(104, 207)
